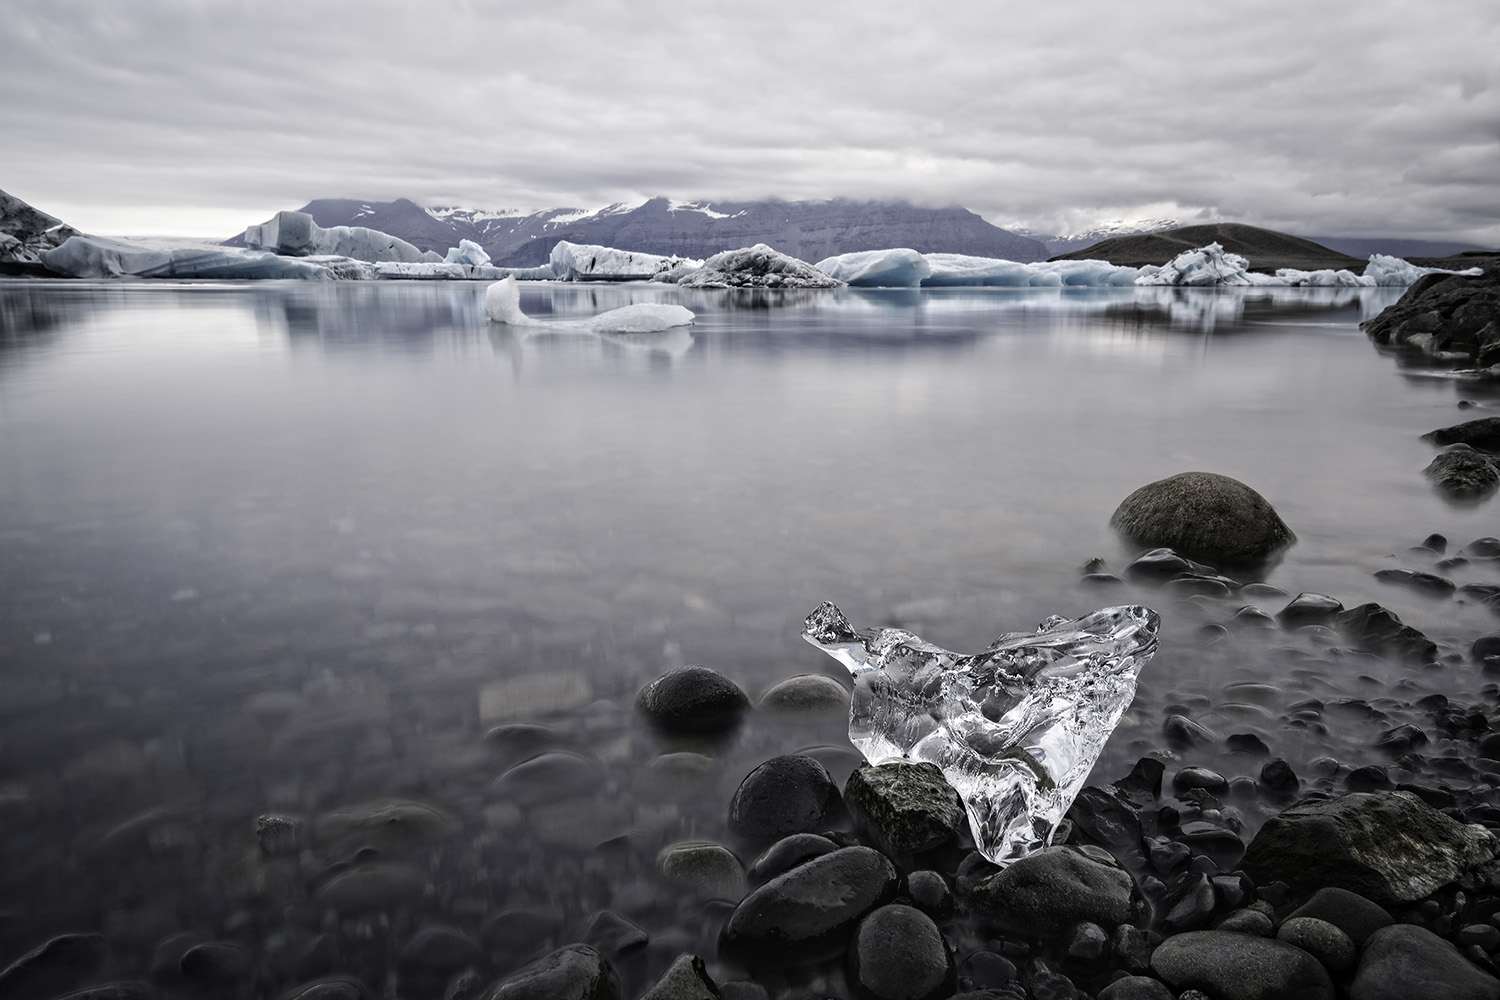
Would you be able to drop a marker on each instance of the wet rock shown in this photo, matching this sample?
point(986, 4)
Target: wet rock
point(786, 854)
point(547, 777)
point(1158, 565)
point(612, 935)
point(125, 990)
point(216, 963)
point(1485, 646)
point(440, 950)
point(1406, 962)
point(1464, 473)
point(785, 795)
point(1131, 947)
point(686, 978)
point(1136, 988)
point(1389, 846)
point(1184, 732)
point(899, 954)
point(1486, 937)
point(1199, 777)
point(704, 867)
point(1426, 583)
point(1219, 843)
point(1487, 547)
point(53, 966)
point(517, 935)
point(929, 893)
point(1047, 892)
point(1377, 630)
point(573, 972)
point(1204, 516)
point(278, 836)
point(1401, 740)
point(1482, 433)
point(1087, 942)
point(1321, 940)
point(693, 699)
point(1188, 903)
point(384, 823)
point(1229, 966)
point(806, 693)
point(1250, 743)
point(373, 886)
point(809, 913)
point(988, 970)
point(1370, 778)
point(1350, 912)
point(904, 808)
point(1247, 921)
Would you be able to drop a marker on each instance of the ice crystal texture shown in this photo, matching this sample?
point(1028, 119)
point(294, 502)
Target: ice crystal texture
point(1015, 729)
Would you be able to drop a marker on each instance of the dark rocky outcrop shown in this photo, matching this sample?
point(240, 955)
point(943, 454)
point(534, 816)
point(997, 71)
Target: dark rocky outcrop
point(1231, 966)
point(1206, 516)
point(1483, 433)
point(1377, 630)
point(1390, 847)
point(25, 233)
point(1406, 962)
point(1454, 316)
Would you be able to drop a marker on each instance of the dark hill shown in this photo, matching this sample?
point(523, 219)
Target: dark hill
point(1265, 249)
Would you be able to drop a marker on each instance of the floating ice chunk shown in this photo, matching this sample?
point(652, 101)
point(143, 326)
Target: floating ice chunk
point(951, 269)
point(430, 271)
point(502, 301)
point(1385, 270)
point(579, 262)
point(1087, 273)
point(295, 234)
point(98, 257)
point(757, 267)
point(1323, 278)
point(1209, 265)
point(467, 252)
point(1015, 729)
point(877, 268)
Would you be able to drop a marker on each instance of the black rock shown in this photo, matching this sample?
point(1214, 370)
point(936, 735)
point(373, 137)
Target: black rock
point(1136, 988)
point(1229, 966)
point(1247, 921)
point(1463, 472)
point(440, 949)
point(1406, 962)
point(1370, 778)
point(1047, 892)
point(53, 966)
point(1158, 565)
point(1487, 547)
point(785, 795)
point(1250, 743)
point(1087, 942)
point(693, 699)
point(612, 935)
point(518, 935)
point(898, 953)
point(809, 913)
point(1485, 936)
point(707, 868)
point(1188, 903)
point(1166, 856)
point(988, 970)
point(1427, 583)
point(1278, 777)
point(929, 893)
point(573, 972)
point(1390, 847)
point(1184, 732)
point(1219, 843)
point(1485, 646)
point(686, 978)
point(1350, 912)
point(216, 963)
point(1377, 630)
point(124, 990)
point(548, 777)
point(1206, 516)
point(806, 694)
point(786, 854)
point(1131, 947)
point(1482, 433)
point(1101, 581)
point(1402, 739)
point(1143, 784)
point(904, 808)
point(1199, 777)
point(1320, 939)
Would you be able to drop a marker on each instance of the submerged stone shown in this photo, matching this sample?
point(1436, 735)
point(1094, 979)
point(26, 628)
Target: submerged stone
point(1014, 729)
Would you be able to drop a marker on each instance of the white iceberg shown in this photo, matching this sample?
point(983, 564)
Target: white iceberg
point(581, 262)
point(900, 268)
point(950, 270)
point(502, 301)
point(98, 257)
point(467, 252)
point(429, 271)
point(757, 267)
point(295, 234)
point(1209, 265)
point(1384, 270)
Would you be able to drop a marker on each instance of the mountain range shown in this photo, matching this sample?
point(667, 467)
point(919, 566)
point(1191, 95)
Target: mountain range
point(809, 230)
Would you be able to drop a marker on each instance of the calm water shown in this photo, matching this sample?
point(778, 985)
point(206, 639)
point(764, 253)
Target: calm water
point(290, 548)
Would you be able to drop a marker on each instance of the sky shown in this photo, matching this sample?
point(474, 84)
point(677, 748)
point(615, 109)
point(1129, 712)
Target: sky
point(1367, 118)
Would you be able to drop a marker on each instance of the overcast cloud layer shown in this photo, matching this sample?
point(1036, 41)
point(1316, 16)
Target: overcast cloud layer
point(1365, 118)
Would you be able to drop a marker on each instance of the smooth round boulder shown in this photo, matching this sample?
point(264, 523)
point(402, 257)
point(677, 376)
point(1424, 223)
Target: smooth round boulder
point(898, 953)
point(1321, 940)
point(903, 807)
point(1230, 966)
point(806, 694)
point(785, 795)
point(1204, 516)
point(1049, 891)
point(1350, 912)
point(1136, 988)
point(693, 699)
point(704, 867)
point(786, 854)
point(1407, 962)
point(573, 972)
point(808, 914)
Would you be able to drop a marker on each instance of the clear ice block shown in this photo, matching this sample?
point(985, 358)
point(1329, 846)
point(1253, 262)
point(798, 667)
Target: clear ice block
point(1015, 729)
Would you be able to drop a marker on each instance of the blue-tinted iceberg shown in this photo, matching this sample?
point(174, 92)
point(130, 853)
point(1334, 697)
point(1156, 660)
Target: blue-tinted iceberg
point(1383, 270)
point(468, 253)
point(295, 234)
point(98, 257)
point(1015, 729)
point(900, 268)
point(579, 262)
point(502, 301)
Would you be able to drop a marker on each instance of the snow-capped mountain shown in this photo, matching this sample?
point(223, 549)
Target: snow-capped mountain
point(1099, 233)
point(808, 230)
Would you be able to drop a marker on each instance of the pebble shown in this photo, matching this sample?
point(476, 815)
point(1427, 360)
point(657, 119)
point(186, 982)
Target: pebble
point(1088, 942)
point(788, 853)
point(1199, 777)
point(1182, 731)
point(1320, 939)
point(573, 972)
point(706, 868)
point(1248, 921)
point(1047, 892)
point(785, 795)
point(898, 953)
point(440, 949)
point(1136, 988)
point(612, 935)
point(806, 694)
point(693, 699)
point(1230, 966)
point(929, 893)
point(547, 777)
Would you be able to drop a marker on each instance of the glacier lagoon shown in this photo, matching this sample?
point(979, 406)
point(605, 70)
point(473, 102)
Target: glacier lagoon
point(297, 548)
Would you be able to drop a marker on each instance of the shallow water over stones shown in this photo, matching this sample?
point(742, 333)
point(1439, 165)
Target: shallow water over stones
point(348, 560)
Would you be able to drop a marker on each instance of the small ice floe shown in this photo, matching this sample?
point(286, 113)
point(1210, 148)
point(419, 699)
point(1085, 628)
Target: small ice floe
point(1015, 729)
point(502, 301)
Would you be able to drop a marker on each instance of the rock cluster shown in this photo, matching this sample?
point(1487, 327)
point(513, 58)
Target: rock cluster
point(1452, 319)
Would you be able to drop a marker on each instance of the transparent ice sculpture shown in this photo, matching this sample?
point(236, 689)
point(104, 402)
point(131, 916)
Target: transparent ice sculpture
point(1015, 729)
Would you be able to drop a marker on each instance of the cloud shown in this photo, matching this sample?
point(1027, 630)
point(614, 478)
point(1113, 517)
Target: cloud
point(1361, 119)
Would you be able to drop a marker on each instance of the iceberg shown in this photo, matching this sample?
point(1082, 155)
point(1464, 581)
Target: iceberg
point(757, 267)
point(467, 252)
point(951, 270)
point(26, 233)
point(98, 257)
point(1210, 265)
point(502, 301)
point(900, 268)
point(1015, 729)
point(1384, 270)
point(295, 234)
point(580, 262)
